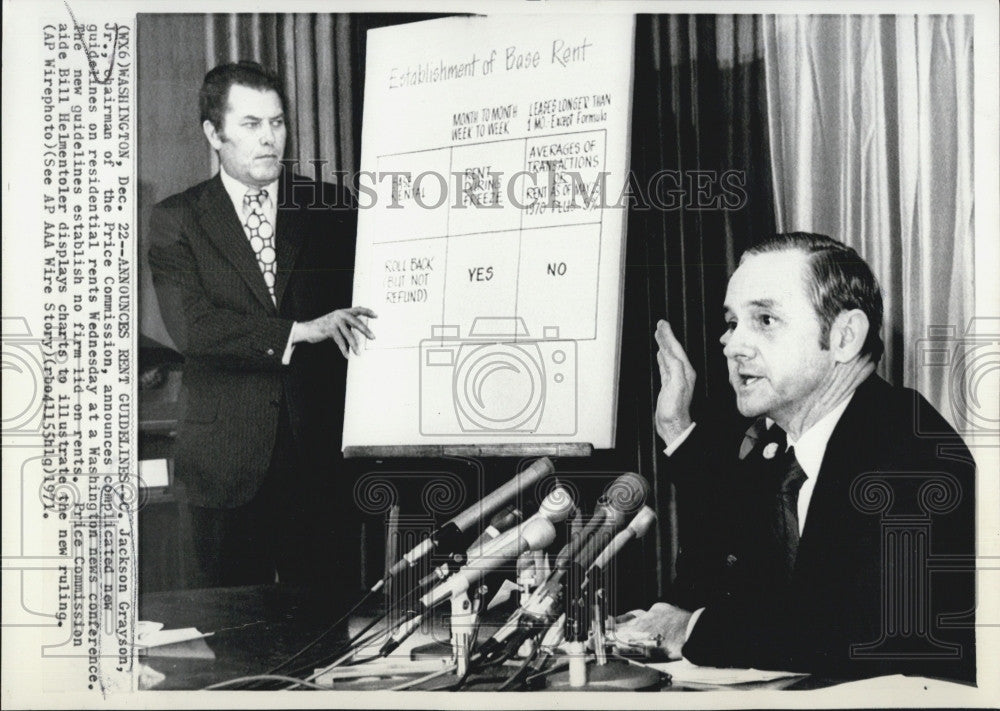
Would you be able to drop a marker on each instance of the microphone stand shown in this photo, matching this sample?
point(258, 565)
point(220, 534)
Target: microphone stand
point(597, 625)
point(605, 674)
point(576, 626)
point(464, 618)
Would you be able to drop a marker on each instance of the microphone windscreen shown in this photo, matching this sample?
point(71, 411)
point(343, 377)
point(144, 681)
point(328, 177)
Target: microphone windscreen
point(557, 506)
point(535, 534)
point(538, 533)
point(626, 494)
point(538, 470)
point(642, 521)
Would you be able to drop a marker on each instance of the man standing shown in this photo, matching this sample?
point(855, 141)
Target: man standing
point(784, 561)
point(252, 270)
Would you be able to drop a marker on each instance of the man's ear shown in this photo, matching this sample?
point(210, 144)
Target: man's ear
point(848, 334)
point(214, 137)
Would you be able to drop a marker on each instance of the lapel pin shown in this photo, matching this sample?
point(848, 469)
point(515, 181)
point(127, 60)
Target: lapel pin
point(770, 450)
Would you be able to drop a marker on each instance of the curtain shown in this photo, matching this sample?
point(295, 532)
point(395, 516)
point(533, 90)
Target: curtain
point(320, 61)
point(857, 127)
point(870, 122)
point(697, 107)
point(314, 56)
point(697, 111)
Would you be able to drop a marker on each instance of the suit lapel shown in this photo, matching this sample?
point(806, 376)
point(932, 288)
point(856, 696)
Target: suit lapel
point(847, 455)
point(223, 227)
point(288, 231)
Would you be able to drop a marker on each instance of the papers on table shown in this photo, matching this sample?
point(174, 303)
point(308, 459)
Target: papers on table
point(149, 677)
point(683, 671)
point(896, 684)
point(153, 473)
point(152, 634)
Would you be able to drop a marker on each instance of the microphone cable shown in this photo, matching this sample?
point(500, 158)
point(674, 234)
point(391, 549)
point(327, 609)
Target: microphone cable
point(358, 640)
point(326, 659)
point(521, 673)
point(341, 620)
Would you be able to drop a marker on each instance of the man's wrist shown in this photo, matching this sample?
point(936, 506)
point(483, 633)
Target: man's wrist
point(692, 621)
point(675, 444)
point(671, 430)
point(301, 332)
point(286, 357)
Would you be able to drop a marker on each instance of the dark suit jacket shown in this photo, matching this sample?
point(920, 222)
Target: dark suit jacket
point(854, 551)
point(217, 309)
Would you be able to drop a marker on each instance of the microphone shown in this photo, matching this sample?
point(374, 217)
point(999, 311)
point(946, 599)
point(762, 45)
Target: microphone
point(538, 470)
point(501, 521)
point(535, 534)
point(556, 507)
point(636, 528)
point(620, 498)
point(625, 495)
point(579, 581)
point(448, 534)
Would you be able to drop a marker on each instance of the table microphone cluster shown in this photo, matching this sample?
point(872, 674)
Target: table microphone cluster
point(559, 625)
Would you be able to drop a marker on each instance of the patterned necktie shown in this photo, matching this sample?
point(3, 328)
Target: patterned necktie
point(260, 232)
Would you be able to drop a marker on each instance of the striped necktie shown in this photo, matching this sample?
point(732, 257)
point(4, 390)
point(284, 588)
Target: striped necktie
point(787, 478)
point(787, 504)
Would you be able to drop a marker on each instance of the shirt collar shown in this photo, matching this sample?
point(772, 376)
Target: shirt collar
point(237, 190)
point(811, 444)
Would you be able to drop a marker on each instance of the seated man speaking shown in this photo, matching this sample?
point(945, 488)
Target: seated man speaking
point(793, 551)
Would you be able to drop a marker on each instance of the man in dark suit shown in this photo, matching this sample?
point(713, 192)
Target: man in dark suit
point(806, 541)
point(253, 269)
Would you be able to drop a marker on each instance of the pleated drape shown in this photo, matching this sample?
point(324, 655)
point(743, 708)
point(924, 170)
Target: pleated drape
point(870, 121)
point(857, 127)
point(697, 107)
point(315, 57)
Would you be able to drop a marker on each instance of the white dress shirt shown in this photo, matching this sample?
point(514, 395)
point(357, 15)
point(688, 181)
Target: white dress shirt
point(809, 451)
point(237, 191)
point(810, 448)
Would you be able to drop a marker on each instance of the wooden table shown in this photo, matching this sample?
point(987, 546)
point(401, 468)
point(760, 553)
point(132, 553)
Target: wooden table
point(255, 628)
point(258, 627)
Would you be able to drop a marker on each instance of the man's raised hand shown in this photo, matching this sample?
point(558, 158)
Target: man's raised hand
point(677, 377)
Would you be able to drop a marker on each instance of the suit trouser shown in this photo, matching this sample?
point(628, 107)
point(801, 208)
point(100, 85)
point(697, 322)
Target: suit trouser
point(292, 531)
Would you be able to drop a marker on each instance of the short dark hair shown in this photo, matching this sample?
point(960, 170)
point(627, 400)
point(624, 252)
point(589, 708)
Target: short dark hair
point(214, 94)
point(840, 280)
